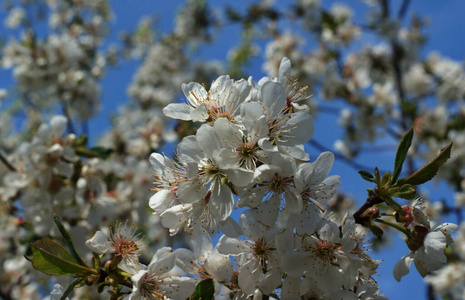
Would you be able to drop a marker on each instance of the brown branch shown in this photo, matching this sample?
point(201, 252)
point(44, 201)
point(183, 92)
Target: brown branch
point(7, 163)
point(370, 202)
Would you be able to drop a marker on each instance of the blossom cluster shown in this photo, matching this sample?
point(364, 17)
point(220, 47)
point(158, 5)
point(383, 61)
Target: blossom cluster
point(249, 154)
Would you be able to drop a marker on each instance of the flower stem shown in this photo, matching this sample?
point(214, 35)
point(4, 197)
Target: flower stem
point(395, 226)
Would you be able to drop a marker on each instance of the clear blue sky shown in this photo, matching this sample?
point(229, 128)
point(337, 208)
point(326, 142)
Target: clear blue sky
point(446, 35)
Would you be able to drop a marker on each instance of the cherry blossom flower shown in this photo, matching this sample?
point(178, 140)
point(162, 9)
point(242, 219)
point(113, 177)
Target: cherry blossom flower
point(123, 242)
point(157, 283)
point(223, 100)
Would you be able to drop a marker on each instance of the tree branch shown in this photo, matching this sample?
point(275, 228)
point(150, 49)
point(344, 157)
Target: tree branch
point(7, 163)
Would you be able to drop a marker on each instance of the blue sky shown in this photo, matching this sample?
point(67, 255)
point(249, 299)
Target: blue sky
point(446, 35)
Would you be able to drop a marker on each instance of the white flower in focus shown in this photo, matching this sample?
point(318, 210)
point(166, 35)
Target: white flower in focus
point(286, 131)
point(123, 242)
point(244, 149)
point(157, 283)
point(205, 261)
point(274, 185)
point(223, 100)
point(325, 256)
point(426, 242)
point(259, 267)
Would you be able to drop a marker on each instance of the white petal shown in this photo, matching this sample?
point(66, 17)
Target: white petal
point(284, 70)
point(191, 191)
point(175, 216)
point(249, 276)
point(195, 93)
point(296, 152)
point(199, 114)
point(162, 261)
point(179, 111)
point(435, 243)
point(177, 287)
point(251, 112)
point(207, 140)
point(230, 228)
point(221, 202)
point(290, 288)
point(322, 166)
point(231, 246)
point(185, 260)
point(298, 128)
point(99, 243)
point(296, 263)
point(239, 176)
point(161, 201)
point(268, 211)
point(58, 125)
point(402, 267)
point(227, 132)
point(273, 98)
point(251, 228)
point(219, 266)
point(285, 241)
point(252, 198)
point(202, 246)
point(188, 149)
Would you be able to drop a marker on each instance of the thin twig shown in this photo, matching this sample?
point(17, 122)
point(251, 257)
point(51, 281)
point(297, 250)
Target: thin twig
point(7, 163)
point(355, 165)
point(65, 110)
point(403, 9)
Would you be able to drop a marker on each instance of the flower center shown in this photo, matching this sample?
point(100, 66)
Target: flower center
point(149, 288)
point(262, 251)
point(324, 250)
point(125, 248)
point(278, 183)
point(247, 154)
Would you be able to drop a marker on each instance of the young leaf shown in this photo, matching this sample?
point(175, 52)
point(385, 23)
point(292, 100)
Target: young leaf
point(428, 171)
point(51, 258)
point(69, 242)
point(406, 191)
point(205, 290)
point(402, 150)
point(367, 176)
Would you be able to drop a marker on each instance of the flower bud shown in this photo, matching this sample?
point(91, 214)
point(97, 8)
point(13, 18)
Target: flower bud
point(371, 213)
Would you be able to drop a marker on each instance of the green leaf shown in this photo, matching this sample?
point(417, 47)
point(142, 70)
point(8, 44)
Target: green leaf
point(367, 176)
point(70, 288)
point(401, 154)
point(406, 191)
point(69, 242)
point(204, 290)
point(100, 152)
point(377, 176)
point(80, 141)
point(428, 171)
point(51, 258)
point(377, 231)
point(328, 21)
point(386, 179)
point(393, 204)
